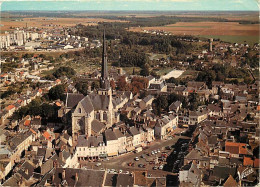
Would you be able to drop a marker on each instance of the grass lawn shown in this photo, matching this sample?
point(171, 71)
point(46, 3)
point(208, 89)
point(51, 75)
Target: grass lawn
point(129, 70)
point(164, 71)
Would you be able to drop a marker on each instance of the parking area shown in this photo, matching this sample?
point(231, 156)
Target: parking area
point(154, 159)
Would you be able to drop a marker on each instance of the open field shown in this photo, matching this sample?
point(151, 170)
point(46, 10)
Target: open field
point(206, 28)
point(227, 31)
point(44, 22)
point(251, 40)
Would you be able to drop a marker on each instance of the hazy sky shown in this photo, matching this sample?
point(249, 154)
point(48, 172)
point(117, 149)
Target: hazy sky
point(132, 5)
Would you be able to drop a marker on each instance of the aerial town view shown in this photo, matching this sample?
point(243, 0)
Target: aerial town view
point(129, 93)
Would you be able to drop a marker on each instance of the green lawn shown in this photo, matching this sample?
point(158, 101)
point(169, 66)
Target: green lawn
point(164, 71)
point(190, 73)
point(129, 70)
point(251, 40)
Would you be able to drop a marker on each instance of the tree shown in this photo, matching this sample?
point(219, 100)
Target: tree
point(160, 104)
point(121, 83)
point(94, 85)
point(145, 70)
point(47, 110)
point(57, 92)
point(113, 84)
point(82, 88)
point(64, 71)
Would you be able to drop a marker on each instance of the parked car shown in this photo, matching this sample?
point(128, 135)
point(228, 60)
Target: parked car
point(161, 167)
point(136, 159)
point(140, 165)
point(155, 168)
point(98, 164)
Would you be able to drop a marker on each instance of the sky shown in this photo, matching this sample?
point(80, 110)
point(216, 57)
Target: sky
point(197, 5)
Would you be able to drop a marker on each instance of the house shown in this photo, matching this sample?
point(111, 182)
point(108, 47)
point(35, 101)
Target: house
point(78, 177)
point(92, 148)
point(236, 149)
point(175, 106)
point(190, 175)
point(197, 116)
point(165, 125)
point(147, 101)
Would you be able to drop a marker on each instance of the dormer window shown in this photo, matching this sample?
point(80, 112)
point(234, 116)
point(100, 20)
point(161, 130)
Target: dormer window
point(79, 110)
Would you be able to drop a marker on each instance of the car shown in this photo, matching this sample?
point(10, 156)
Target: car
point(167, 148)
point(98, 164)
point(120, 171)
point(174, 152)
point(130, 164)
point(136, 159)
point(161, 167)
point(144, 165)
point(155, 168)
point(127, 172)
point(151, 162)
point(106, 159)
point(108, 170)
point(155, 151)
point(158, 151)
point(152, 153)
point(143, 156)
point(140, 165)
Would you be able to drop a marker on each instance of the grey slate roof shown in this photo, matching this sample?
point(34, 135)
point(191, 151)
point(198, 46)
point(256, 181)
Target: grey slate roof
point(72, 99)
point(87, 104)
point(110, 135)
point(97, 126)
point(85, 177)
point(91, 141)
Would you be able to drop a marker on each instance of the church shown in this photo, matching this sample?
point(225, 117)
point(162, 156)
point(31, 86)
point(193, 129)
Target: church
point(98, 110)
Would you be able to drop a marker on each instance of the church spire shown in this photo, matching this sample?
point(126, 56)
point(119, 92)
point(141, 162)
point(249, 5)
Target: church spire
point(104, 81)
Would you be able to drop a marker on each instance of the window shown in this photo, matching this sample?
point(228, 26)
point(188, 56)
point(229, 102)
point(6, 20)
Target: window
point(79, 110)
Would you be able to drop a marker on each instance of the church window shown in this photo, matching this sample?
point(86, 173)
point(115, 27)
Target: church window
point(79, 110)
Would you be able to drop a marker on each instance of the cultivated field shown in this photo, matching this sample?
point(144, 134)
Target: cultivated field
point(227, 31)
point(206, 28)
point(44, 22)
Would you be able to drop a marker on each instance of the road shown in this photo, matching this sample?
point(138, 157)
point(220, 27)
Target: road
point(120, 162)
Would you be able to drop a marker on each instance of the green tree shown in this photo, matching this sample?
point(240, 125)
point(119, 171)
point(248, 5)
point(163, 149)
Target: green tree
point(57, 92)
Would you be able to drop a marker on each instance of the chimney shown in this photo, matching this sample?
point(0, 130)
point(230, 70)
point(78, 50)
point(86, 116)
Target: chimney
point(63, 174)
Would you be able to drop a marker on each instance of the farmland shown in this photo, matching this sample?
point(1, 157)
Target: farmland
point(45, 22)
point(227, 31)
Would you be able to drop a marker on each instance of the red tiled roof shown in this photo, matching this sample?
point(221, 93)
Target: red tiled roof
point(256, 163)
point(248, 161)
point(58, 103)
point(3, 75)
point(27, 122)
point(235, 148)
point(47, 135)
point(10, 107)
point(33, 131)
